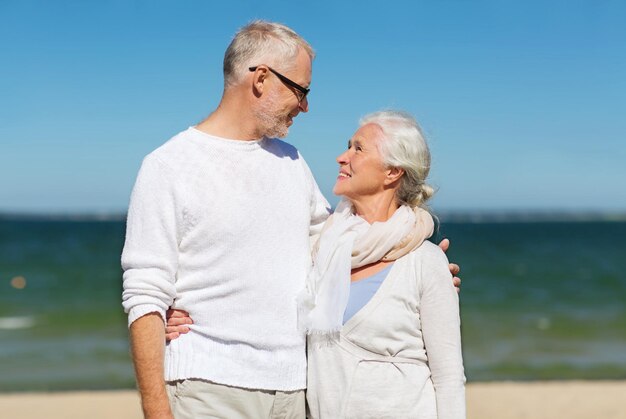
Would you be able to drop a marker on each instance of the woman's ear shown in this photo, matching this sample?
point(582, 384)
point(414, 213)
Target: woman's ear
point(393, 175)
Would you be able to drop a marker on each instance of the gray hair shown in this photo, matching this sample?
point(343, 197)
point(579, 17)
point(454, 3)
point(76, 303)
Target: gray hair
point(262, 42)
point(404, 147)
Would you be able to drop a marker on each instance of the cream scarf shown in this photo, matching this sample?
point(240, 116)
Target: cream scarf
point(348, 241)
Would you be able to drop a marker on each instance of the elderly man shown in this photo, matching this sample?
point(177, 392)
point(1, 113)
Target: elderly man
point(218, 226)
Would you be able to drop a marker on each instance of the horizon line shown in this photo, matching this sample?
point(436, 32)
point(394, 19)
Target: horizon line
point(448, 216)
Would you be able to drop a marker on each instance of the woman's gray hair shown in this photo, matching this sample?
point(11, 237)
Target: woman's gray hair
point(262, 42)
point(404, 147)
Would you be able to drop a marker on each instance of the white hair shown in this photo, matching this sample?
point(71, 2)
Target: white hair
point(262, 42)
point(404, 147)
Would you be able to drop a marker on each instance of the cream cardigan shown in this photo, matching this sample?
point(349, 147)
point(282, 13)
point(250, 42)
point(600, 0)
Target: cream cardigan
point(400, 355)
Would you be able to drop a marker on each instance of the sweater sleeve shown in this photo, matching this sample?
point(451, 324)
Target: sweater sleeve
point(150, 255)
point(320, 208)
point(439, 312)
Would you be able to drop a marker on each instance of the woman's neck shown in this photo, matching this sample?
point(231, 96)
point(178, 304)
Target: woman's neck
point(378, 209)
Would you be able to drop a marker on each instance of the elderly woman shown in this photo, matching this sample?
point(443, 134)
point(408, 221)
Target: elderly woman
point(381, 312)
point(379, 307)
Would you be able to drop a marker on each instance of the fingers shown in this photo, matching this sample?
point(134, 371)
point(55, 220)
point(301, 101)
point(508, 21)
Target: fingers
point(179, 321)
point(444, 244)
point(454, 269)
point(174, 332)
point(176, 329)
point(457, 283)
point(177, 317)
point(174, 312)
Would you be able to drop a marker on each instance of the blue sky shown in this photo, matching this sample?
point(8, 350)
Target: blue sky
point(523, 103)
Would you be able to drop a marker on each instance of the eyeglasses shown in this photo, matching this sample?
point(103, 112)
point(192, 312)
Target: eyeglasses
point(301, 92)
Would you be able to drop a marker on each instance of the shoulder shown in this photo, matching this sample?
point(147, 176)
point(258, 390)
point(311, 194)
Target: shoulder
point(174, 155)
point(163, 163)
point(430, 252)
point(178, 144)
point(288, 154)
point(282, 149)
point(430, 263)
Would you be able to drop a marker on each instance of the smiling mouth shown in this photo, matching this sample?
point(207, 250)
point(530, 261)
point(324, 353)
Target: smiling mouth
point(344, 175)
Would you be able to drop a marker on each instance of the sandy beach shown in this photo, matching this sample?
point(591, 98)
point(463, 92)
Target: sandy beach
point(497, 400)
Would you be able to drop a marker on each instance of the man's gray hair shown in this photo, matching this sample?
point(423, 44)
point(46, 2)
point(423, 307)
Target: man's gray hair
point(262, 42)
point(404, 147)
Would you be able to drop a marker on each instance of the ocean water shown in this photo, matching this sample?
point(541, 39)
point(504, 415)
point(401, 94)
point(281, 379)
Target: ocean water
point(538, 301)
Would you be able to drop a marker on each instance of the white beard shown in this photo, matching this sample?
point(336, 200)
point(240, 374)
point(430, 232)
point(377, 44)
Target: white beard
point(272, 125)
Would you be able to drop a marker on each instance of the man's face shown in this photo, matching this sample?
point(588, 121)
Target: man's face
point(280, 102)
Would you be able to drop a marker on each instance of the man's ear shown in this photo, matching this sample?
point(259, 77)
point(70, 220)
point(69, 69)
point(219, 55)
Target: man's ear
point(393, 175)
point(258, 80)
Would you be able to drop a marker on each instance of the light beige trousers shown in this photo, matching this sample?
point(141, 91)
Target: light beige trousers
point(199, 399)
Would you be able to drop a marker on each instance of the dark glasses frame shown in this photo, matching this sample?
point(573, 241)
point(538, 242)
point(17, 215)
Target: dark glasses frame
point(302, 90)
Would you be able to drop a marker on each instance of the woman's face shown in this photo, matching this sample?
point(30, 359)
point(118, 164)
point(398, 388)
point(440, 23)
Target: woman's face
point(361, 170)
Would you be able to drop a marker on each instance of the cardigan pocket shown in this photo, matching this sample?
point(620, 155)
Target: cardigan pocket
point(381, 389)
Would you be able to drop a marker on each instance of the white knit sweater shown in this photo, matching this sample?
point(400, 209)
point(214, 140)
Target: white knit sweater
point(220, 228)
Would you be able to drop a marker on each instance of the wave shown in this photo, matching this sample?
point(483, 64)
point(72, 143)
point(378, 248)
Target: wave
point(13, 323)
